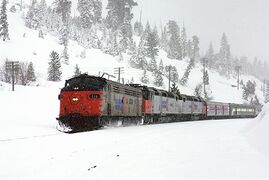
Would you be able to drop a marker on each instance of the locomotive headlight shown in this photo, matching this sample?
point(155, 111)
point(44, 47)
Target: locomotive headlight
point(75, 99)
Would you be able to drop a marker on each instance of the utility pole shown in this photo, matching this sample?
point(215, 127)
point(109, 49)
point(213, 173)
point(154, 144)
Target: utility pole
point(169, 78)
point(238, 68)
point(204, 62)
point(119, 71)
point(12, 66)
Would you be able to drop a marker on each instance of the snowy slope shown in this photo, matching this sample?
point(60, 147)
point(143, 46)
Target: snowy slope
point(32, 48)
point(258, 131)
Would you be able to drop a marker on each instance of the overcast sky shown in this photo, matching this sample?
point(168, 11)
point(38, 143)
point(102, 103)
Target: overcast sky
point(245, 22)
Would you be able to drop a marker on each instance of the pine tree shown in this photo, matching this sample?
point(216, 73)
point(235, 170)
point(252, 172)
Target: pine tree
point(185, 77)
point(146, 31)
point(77, 71)
point(206, 78)
point(224, 56)
point(158, 78)
point(54, 72)
point(161, 67)
point(164, 39)
point(152, 66)
point(138, 59)
point(145, 79)
point(174, 89)
point(267, 93)
point(119, 13)
point(138, 28)
point(151, 44)
point(65, 55)
point(174, 46)
point(42, 13)
point(31, 77)
point(63, 8)
point(210, 56)
point(195, 48)
point(4, 35)
point(189, 49)
point(249, 90)
point(198, 90)
point(32, 19)
point(90, 12)
point(255, 101)
point(184, 42)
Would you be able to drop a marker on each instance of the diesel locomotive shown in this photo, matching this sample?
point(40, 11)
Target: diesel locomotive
point(89, 102)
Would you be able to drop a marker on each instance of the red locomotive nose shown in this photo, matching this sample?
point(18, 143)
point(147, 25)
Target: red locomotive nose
point(84, 103)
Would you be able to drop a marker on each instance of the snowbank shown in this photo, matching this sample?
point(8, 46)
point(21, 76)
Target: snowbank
point(258, 132)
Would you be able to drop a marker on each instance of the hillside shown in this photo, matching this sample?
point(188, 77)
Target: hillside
point(25, 45)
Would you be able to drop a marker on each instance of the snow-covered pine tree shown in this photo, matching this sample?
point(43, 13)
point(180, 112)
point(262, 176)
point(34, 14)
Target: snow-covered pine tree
point(41, 34)
point(151, 44)
point(174, 44)
point(4, 35)
point(65, 55)
point(152, 66)
point(145, 79)
point(224, 56)
point(138, 59)
point(90, 12)
point(267, 92)
point(54, 72)
point(184, 42)
point(198, 90)
point(174, 74)
point(249, 90)
point(164, 39)
point(63, 8)
point(32, 18)
point(31, 77)
point(189, 49)
point(77, 71)
point(138, 28)
point(111, 46)
point(21, 77)
point(206, 78)
point(195, 48)
point(255, 101)
point(42, 13)
point(183, 81)
point(174, 89)
point(146, 31)
point(210, 56)
point(158, 78)
point(119, 12)
point(161, 67)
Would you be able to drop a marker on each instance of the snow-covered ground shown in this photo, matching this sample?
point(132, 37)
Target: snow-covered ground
point(32, 148)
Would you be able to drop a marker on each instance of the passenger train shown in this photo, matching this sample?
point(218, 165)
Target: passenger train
point(90, 102)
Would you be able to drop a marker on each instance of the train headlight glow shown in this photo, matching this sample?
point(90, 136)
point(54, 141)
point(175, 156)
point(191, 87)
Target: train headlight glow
point(75, 99)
